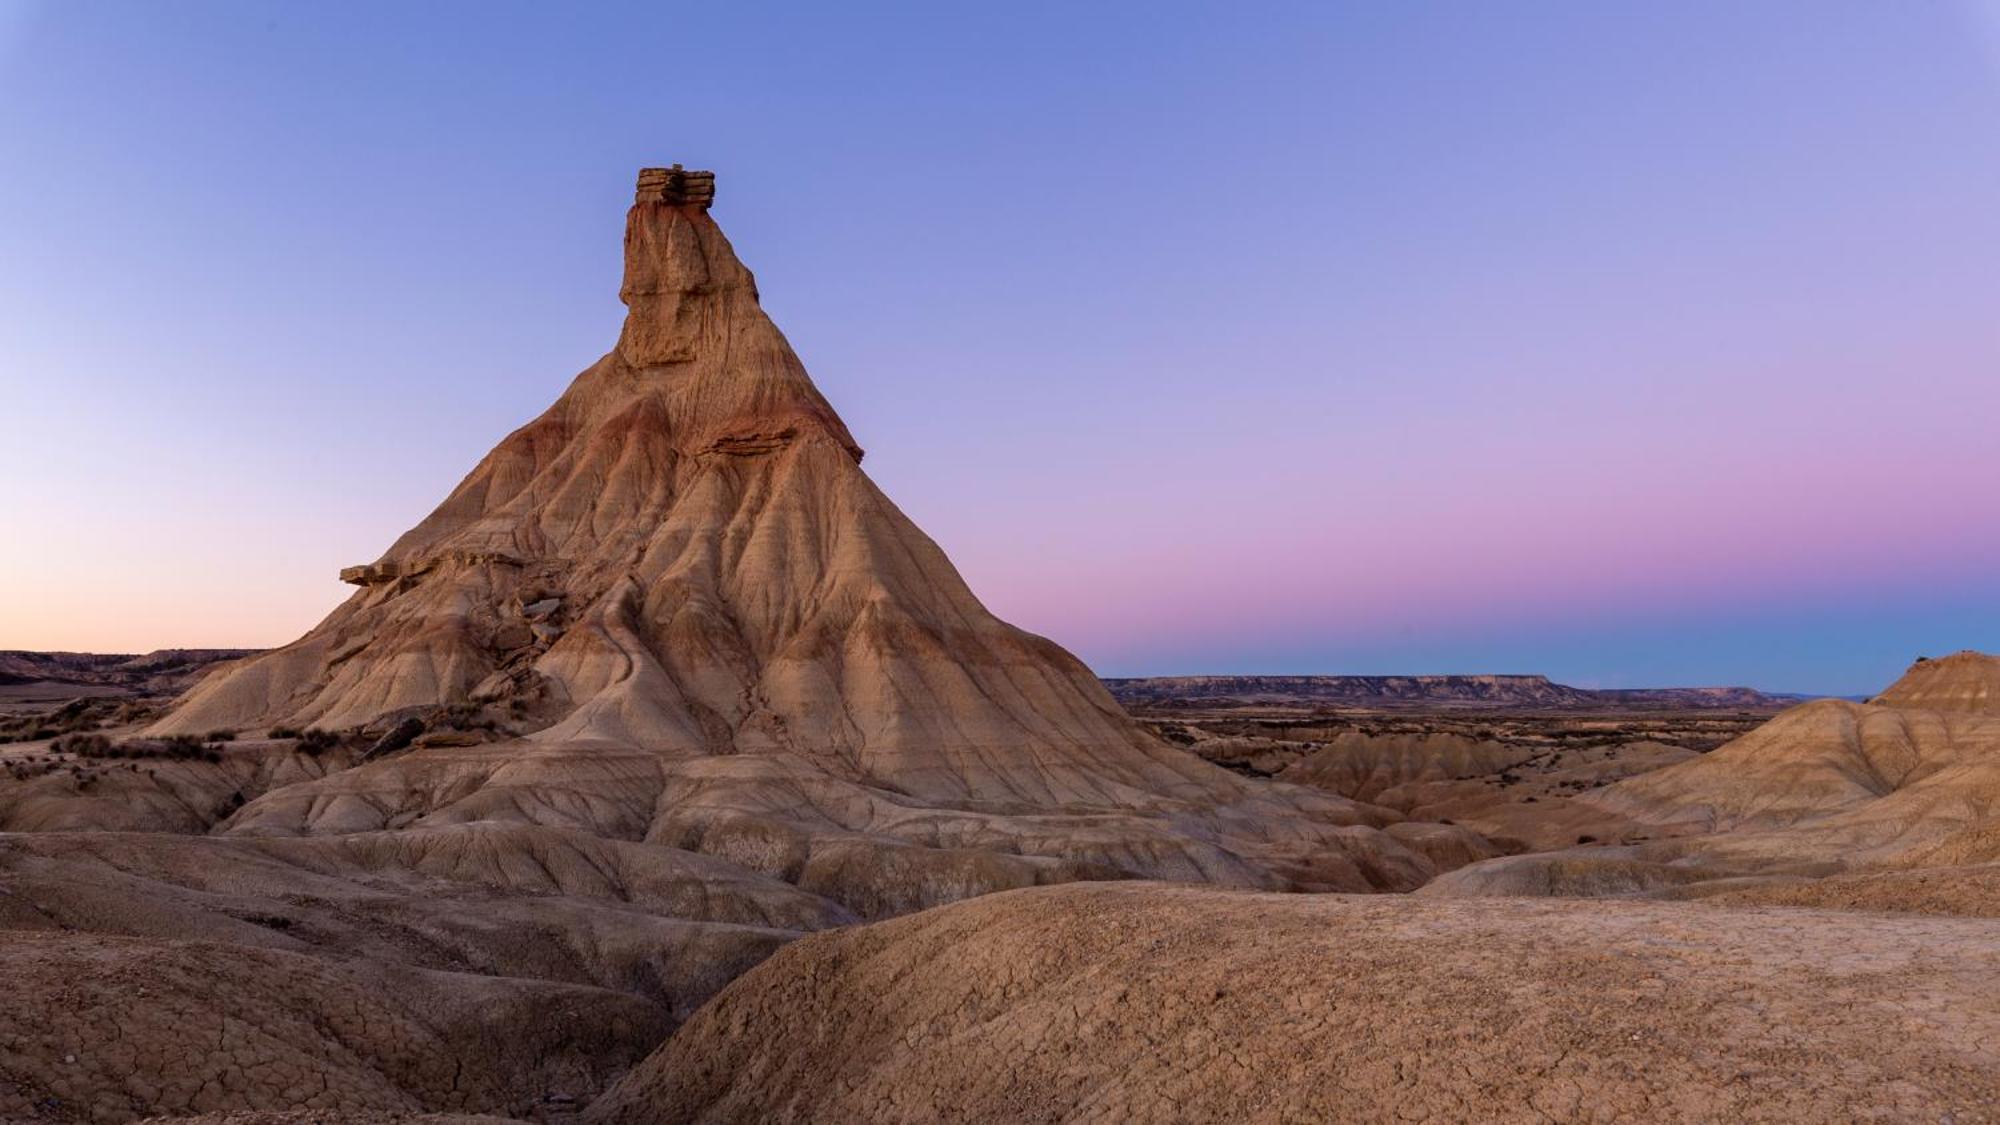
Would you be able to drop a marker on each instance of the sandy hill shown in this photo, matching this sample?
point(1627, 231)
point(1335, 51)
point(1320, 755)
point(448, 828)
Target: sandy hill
point(1146, 1003)
point(1910, 778)
point(1963, 681)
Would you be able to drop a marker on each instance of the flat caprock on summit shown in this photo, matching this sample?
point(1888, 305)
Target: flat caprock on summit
point(693, 619)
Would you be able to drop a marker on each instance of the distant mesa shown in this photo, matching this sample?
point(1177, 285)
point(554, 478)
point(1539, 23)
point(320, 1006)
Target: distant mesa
point(1449, 691)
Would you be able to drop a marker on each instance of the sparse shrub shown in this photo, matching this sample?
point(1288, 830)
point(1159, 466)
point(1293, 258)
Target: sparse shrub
point(219, 736)
point(284, 732)
point(1586, 839)
point(463, 716)
point(75, 716)
point(83, 745)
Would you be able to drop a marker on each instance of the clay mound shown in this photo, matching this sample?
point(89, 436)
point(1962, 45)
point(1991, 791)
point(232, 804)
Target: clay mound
point(526, 904)
point(1514, 795)
point(480, 967)
point(1963, 681)
point(1822, 757)
point(1386, 769)
point(1823, 788)
point(1841, 780)
point(107, 1029)
point(1577, 873)
point(43, 791)
point(1144, 1003)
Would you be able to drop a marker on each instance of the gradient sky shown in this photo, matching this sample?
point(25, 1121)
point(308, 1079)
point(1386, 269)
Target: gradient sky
point(1631, 343)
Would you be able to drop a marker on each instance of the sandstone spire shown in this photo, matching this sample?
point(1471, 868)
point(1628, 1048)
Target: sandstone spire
point(682, 553)
point(686, 614)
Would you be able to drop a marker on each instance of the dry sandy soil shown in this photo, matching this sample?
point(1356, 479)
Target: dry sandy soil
point(1107, 1003)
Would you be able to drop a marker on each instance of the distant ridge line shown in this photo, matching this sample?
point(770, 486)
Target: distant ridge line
point(1478, 690)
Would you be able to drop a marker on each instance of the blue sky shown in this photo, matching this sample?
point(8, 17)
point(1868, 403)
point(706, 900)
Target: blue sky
point(1636, 344)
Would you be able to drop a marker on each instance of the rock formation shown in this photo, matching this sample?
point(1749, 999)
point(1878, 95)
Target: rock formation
point(664, 684)
point(689, 617)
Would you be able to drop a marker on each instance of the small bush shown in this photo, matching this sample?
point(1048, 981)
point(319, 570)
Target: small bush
point(219, 736)
point(284, 732)
point(83, 745)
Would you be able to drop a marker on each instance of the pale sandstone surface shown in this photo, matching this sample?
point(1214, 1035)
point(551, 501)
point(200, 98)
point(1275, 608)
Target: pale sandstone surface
point(1147, 1003)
